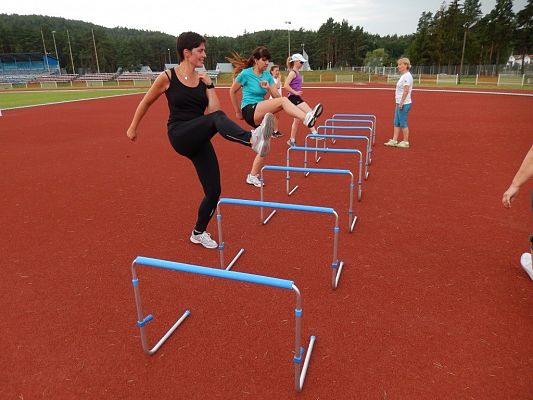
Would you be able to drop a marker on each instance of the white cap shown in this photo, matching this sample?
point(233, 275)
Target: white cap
point(298, 57)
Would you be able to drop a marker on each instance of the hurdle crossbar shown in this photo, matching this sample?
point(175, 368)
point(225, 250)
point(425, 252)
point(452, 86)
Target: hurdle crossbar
point(333, 136)
point(336, 264)
point(328, 150)
point(369, 116)
point(300, 371)
point(332, 121)
point(351, 217)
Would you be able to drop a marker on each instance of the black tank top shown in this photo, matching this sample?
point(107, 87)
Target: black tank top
point(185, 103)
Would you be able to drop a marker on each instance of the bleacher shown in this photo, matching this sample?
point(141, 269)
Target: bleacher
point(137, 76)
point(97, 77)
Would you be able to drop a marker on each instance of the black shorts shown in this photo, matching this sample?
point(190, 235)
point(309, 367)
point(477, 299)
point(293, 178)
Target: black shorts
point(248, 114)
point(296, 99)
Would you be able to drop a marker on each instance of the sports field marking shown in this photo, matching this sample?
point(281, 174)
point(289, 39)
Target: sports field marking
point(27, 99)
point(423, 90)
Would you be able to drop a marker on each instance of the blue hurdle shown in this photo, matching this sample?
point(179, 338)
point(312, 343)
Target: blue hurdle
point(351, 218)
point(299, 370)
point(354, 122)
point(336, 264)
point(368, 147)
point(368, 116)
point(327, 150)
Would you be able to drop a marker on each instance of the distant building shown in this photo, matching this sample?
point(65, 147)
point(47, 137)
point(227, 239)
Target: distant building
point(516, 59)
point(224, 67)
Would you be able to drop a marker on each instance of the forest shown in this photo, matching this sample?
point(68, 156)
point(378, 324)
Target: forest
point(440, 39)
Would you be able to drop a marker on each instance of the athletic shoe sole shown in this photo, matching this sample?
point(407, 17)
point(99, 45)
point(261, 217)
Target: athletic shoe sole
point(316, 112)
point(262, 144)
point(525, 262)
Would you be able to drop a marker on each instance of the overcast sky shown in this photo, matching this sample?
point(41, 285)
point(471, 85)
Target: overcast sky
point(232, 18)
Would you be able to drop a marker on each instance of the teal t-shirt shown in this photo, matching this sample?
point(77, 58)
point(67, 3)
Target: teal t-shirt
point(252, 92)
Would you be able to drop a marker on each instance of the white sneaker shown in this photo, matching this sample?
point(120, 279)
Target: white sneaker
point(262, 134)
point(204, 239)
point(254, 180)
point(391, 143)
point(311, 116)
point(403, 144)
point(525, 261)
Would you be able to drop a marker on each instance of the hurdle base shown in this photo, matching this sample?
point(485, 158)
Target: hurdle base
point(294, 189)
point(163, 339)
point(232, 263)
point(352, 226)
point(336, 276)
point(270, 216)
point(301, 378)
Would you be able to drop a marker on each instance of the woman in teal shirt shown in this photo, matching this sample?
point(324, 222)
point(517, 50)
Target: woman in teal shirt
point(252, 77)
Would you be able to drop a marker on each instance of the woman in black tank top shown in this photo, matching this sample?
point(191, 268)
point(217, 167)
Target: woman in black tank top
point(194, 118)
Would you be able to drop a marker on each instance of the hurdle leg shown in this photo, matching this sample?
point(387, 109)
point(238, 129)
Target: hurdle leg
point(221, 245)
point(263, 220)
point(143, 321)
point(336, 265)
point(352, 219)
point(360, 178)
point(288, 185)
point(300, 371)
point(367, 159)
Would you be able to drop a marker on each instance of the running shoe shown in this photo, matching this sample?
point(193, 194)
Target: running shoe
point(311, 116)
point(204, 239)
point(262, 134)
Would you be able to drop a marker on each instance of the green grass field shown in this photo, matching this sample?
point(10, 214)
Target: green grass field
point(28, 98)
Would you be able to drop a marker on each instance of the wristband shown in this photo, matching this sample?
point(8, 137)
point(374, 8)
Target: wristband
point(210, 86)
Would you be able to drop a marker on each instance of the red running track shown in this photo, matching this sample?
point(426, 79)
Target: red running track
point(432, 303)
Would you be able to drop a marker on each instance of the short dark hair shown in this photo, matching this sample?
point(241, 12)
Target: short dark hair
point(188, 41)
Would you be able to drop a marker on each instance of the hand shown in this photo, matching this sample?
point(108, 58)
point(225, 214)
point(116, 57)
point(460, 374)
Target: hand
point(205, 78)
point(132, 134)
point(400, 105)
point(509, 195)
point(298, 92)
point(264, 84)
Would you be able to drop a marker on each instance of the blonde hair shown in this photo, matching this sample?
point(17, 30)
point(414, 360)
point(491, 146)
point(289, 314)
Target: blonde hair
point(290, 63)
point(404, 60)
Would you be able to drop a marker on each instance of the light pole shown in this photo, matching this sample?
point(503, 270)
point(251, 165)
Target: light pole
point(463, 52)
point(169, 59)
point(45, 53)
point(57, 55)
point(95, 52)
point(70, 49)
point(289, 35)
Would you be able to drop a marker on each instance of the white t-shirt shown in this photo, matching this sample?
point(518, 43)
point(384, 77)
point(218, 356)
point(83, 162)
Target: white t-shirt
point(405, 79)
point(277, 82)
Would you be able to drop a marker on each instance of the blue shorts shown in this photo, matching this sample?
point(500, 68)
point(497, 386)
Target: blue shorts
point(400, 116)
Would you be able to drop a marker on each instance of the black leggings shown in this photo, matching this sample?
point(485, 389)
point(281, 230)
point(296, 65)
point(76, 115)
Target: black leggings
point(192, 139)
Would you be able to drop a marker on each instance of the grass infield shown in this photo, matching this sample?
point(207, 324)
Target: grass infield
point(30, 98)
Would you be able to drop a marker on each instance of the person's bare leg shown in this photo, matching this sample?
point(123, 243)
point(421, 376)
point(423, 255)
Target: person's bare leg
point(405, 132)
point(257, 165)
point(396, 133)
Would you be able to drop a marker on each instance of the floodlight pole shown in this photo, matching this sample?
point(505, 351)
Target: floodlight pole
point(45, 53)
point(71, 58)
point(289, 35)
point(57, 55)
point(95, 52)
point(169, 59)
point(463, 52)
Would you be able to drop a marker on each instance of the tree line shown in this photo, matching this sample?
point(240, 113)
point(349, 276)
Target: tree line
point(438, 40)
point(458, 33)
